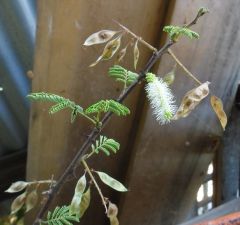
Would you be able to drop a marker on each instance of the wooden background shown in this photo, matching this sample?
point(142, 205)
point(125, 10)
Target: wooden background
point(163, 166)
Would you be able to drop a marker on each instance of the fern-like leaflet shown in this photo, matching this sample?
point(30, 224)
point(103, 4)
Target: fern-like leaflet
point(60, 216)
point(62, 103)
point(105, 145)
point(175, 31)
point(43, 96)
point(122, 75)
point(108, 106)
point(59, 106)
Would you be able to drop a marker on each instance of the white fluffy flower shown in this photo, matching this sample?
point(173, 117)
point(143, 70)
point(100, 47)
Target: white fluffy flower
point(161, 98)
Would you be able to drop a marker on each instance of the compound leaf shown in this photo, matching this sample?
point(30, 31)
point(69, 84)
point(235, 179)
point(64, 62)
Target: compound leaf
point(62, 103)
point(105, 145)
point(122, 75)
point(175, 32)
point(108, 106)
point(61, 216)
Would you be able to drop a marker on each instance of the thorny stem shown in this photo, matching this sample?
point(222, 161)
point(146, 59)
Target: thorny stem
point(96, 132)
point(140, 39)
point(95, 183)
point(183, 67)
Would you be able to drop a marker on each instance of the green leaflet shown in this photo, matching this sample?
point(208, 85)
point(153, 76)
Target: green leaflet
point(105, 145)
point(62, 103)
point(59, 106)
point(111, 182)
point(43, 96)
point(60, 216)
point(122, 75)
point(108, 106)
point(175, 31)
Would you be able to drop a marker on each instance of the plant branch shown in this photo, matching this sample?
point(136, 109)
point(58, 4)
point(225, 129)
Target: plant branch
point(96, 132)
point(183, 67)
point(140, 39)
point(87, 117)
point(202, 11)
point(95, 183)
point(42, 182)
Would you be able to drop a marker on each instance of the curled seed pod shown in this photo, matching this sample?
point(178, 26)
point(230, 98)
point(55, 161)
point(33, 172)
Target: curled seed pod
point(218, 109)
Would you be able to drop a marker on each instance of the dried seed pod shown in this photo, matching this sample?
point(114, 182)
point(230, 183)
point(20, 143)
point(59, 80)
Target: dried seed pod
point(136, 54)
point(112, 209)
point(218, 109)
point(99, 37)
point(191, 100)
point(77, 198)
point(109, 50)
point(31, 200)
point(18, 203)
point(121, 55)
point(85, 202)
point(17, 186)
point(111, 182)
point(112, 213)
